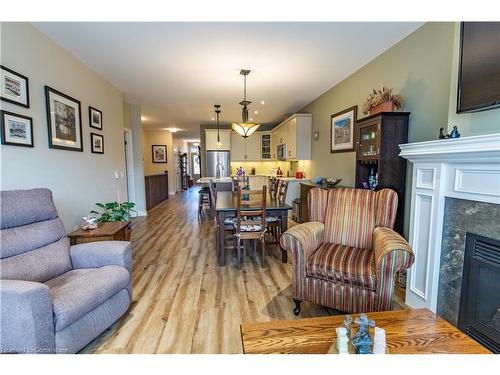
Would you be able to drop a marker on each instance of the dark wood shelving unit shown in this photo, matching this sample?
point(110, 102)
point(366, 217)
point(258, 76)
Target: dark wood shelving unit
point(377, 147)
point(183, 167)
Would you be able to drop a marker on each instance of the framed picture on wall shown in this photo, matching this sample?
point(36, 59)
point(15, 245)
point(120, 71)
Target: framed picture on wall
point(342, 130)
point(16, 130)
point(96, 143)
point(95, 118)
point(159, 153)
point(64, 120)
point(14, 87)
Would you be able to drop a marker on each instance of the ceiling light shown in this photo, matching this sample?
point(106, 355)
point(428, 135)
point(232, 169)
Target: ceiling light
point(256, 112)
point(144, 118)
point(218, 144)
point(213, 119)
point(251, 119)
point(172, 130)
point(244, 128)
point(262, 102)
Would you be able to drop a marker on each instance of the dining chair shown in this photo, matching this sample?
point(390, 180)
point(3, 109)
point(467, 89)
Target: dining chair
point(246, 226)
point(273, 187)
point(274, 223)
point(240, 181)
point(214, 187)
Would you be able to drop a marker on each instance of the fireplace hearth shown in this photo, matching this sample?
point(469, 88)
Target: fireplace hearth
point(479, 312)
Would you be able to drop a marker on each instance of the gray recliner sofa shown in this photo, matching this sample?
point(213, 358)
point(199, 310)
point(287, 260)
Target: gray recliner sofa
point(55, 298)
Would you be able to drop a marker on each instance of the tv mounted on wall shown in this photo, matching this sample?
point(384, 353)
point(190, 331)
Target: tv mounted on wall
point(479, 69)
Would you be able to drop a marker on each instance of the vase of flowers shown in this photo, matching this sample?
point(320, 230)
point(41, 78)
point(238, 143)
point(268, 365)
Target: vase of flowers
point(382, 100)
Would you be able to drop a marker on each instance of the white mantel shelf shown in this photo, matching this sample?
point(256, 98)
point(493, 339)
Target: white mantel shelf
point(465, 168)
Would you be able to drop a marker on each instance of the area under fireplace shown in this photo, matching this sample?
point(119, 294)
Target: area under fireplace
point(469, 273)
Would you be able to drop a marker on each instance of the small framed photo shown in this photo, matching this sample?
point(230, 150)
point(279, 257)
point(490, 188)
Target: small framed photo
point(342, 130)
point(64, 120)
point(95, 118)
point(14, 87)
point(159, 153)
point(96, 143)
point(17, 130)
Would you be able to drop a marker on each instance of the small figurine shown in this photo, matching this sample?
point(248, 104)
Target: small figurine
point(441, 133)
point(362, 340)
point(347, 324)
point(454, 133)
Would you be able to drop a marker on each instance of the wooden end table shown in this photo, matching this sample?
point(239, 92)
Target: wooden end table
point(118, 231)
point(417, 331)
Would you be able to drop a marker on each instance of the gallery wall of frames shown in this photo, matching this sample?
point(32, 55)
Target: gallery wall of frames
point(63, 117)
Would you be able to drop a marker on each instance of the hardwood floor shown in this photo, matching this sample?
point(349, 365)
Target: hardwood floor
point(183, 301)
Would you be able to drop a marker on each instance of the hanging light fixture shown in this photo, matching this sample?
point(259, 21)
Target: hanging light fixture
point(218, 144)
point(244, 128)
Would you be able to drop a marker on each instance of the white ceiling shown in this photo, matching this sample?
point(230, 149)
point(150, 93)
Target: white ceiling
point(178, 71)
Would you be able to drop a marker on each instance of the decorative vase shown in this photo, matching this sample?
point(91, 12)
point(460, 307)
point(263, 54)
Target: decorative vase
point(387, 106)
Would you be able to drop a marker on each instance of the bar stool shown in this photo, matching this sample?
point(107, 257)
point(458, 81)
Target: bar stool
point(204, 200)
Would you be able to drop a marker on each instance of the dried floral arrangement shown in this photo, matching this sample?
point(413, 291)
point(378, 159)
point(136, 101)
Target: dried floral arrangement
point(383, 94)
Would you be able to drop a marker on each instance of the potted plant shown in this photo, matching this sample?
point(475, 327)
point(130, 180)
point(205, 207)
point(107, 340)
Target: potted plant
point(382, 100)
point(114, 211)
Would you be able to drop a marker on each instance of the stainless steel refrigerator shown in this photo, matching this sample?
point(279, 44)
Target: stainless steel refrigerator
point(218, 160)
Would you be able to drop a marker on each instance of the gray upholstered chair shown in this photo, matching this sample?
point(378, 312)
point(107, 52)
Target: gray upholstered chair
point(55, 298)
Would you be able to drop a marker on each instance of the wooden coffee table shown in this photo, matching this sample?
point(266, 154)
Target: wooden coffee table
point(104, 232)
point(416, 331)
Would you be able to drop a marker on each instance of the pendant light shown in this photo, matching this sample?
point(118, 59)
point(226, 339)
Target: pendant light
point(218, 144)
point(244, 128)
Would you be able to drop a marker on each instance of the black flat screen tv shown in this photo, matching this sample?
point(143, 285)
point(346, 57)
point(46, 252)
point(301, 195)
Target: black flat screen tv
point(479, 69)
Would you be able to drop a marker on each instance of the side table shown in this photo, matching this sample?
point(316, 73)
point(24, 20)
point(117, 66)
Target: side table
point(118, 231)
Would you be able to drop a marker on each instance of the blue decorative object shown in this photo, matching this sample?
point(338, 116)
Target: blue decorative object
point(319, 180)
point(362, 340)
point(244, 195)
point(372, 179)
point(454, 133)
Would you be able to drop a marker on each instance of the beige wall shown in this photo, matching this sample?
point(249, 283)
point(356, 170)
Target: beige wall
point(77, 179)
point(159, 137)
point(485, 122)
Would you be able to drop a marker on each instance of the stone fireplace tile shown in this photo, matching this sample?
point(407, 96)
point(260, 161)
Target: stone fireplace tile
point(449, 303)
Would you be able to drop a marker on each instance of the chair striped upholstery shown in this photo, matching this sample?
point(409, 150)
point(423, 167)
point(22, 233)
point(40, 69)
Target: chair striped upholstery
point(386, 208)
point(316, 202)
point(343, 264)
point(349, 262)
point(350, 217)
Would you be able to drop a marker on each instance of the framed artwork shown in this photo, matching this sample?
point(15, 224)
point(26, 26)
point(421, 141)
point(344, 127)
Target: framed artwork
point(64, 120)
point(159, 153)
point(16, 130)
point(95, 118)
point(14, 87)
point(342, 130)
point(96, 143)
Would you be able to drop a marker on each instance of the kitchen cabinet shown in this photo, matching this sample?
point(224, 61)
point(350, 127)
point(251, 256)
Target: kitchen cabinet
point(265, 146)
point(211, 139)
point(295, 133)
point(245, 152)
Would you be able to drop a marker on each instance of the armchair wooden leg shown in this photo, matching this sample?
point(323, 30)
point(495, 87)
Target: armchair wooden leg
point(296, 310)
point(238, 253)
point(263, 250)
point(284, 255)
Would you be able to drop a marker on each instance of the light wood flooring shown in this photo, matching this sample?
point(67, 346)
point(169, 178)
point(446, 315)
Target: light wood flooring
point(183, 301)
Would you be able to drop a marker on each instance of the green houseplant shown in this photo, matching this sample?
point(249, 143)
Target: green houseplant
point(114, 211)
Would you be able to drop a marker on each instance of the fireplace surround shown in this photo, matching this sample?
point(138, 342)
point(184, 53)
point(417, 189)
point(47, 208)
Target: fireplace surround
point(465, 168)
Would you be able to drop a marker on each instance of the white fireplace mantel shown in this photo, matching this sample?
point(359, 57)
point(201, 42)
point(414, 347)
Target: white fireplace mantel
point(465, 168)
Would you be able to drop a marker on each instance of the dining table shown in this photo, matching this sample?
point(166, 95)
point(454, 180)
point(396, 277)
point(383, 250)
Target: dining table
point(226, 206)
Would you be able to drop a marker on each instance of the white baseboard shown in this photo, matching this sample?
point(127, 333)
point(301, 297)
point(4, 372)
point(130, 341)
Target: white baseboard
point(142, 213)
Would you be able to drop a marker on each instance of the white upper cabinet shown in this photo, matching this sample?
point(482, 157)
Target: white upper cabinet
point(295, 133)
point(211, 139)
point(249, 152)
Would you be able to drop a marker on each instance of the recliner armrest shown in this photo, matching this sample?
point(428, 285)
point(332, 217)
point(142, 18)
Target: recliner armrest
point(387, 242)
point(303, 239)
point(103, 253)
point(26, 320)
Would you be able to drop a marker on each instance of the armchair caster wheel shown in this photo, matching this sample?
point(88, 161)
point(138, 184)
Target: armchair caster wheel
point(296, 310)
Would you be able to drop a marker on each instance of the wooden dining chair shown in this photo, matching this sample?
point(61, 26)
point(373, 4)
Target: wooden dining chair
point(214, 187)
point(250, 221)
point(273, 187)
point(274, 223)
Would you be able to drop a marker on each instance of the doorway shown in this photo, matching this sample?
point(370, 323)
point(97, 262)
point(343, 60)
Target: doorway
point(129, 164)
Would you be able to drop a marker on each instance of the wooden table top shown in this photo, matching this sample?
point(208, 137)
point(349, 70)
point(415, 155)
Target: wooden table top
point(102, 230)
point(228, 201)
point(417, 331)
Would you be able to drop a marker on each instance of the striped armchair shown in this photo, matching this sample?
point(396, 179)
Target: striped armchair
point(347, 255)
